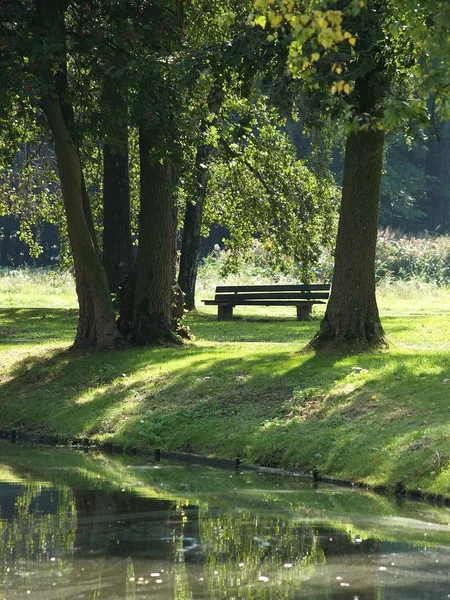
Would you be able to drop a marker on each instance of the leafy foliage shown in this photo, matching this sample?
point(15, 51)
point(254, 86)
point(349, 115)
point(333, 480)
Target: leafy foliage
point(258, 187)
point(30, 192)
point(333, 48)
point(313, 33)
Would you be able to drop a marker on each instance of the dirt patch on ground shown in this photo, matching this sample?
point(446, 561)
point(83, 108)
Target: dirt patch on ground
point(358, 408)
point(10, 330)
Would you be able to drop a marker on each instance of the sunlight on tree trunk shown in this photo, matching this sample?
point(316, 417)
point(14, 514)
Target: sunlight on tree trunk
point(92, 285)
point(351, 322)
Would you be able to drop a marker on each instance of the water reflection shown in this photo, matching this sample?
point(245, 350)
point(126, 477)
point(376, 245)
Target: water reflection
point(74, 526)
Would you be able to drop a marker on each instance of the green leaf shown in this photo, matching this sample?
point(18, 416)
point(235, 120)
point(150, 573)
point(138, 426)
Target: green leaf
point(261, 20)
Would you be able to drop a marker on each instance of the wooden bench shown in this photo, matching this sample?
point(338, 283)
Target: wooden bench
point(303, 296)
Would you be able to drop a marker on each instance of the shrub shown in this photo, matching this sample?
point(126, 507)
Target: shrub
point(399, 258)
point(404, 257)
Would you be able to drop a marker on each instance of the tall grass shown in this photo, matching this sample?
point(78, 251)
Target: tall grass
point(406, 257)
point(36, 288)
point(407, 268)
point(399, 257)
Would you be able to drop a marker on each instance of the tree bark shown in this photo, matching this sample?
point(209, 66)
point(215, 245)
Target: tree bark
point(351, 321)
point(151, 318)
point(190, 247)
point(96, 325)
point(117, 246)
point(96, 321)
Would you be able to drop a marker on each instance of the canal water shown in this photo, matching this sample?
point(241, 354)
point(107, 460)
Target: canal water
point(97, 527)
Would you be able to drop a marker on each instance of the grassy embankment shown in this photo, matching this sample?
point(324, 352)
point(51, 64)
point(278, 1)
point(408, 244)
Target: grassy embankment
point(242, 388)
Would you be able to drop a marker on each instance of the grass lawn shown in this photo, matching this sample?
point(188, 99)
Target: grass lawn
point(242, 388)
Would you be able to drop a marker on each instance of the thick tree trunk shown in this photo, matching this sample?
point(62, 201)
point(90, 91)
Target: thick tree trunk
point(96, 322)
point(117, 246)
point(190, 247)
point(151, 318)
point(86, 336)
point(96, 325)
point(351, 322)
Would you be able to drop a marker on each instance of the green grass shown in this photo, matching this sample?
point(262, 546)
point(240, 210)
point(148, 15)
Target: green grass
point(41, 288)
point(242, 388)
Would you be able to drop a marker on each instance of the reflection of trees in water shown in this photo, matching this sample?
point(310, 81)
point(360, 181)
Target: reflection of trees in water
point(256, 557)
point(344, 550)
point(181, 587)
point(95, 594)
point(130, 581)
point(206, 552)
point(118, 524)
point(41, 529)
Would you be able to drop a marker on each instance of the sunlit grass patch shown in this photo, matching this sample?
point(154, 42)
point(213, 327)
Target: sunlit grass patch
point(35, 288)
point(242, 388)
point(413, 297)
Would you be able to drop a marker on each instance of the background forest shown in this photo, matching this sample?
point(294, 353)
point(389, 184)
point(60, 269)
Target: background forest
point(414, 205)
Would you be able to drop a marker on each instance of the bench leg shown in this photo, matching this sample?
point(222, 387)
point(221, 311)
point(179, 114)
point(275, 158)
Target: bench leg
point(224, 312)
point(304, 312)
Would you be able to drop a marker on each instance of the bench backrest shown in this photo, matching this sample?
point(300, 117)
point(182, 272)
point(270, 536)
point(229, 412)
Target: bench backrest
point(277, 287)
point(314, 291)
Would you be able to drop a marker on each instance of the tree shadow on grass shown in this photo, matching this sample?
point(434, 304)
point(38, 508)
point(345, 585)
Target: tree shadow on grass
point(255, 329)
point(385, 421)
point(269, 329)
point(377, 417)
point(24, 326)
point(37, 325)
point(110, 393)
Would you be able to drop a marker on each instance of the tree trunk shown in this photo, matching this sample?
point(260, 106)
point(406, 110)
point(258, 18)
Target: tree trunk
point(151, 318)
point(117, 246)
point(96, 326)
point(17, 260)
point(190, 247)
point(4, 254)
point(86, 336)
point(351, 322)
point(96, 320)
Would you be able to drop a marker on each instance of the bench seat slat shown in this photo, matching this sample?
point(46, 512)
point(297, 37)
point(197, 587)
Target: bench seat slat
point(273, 288)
